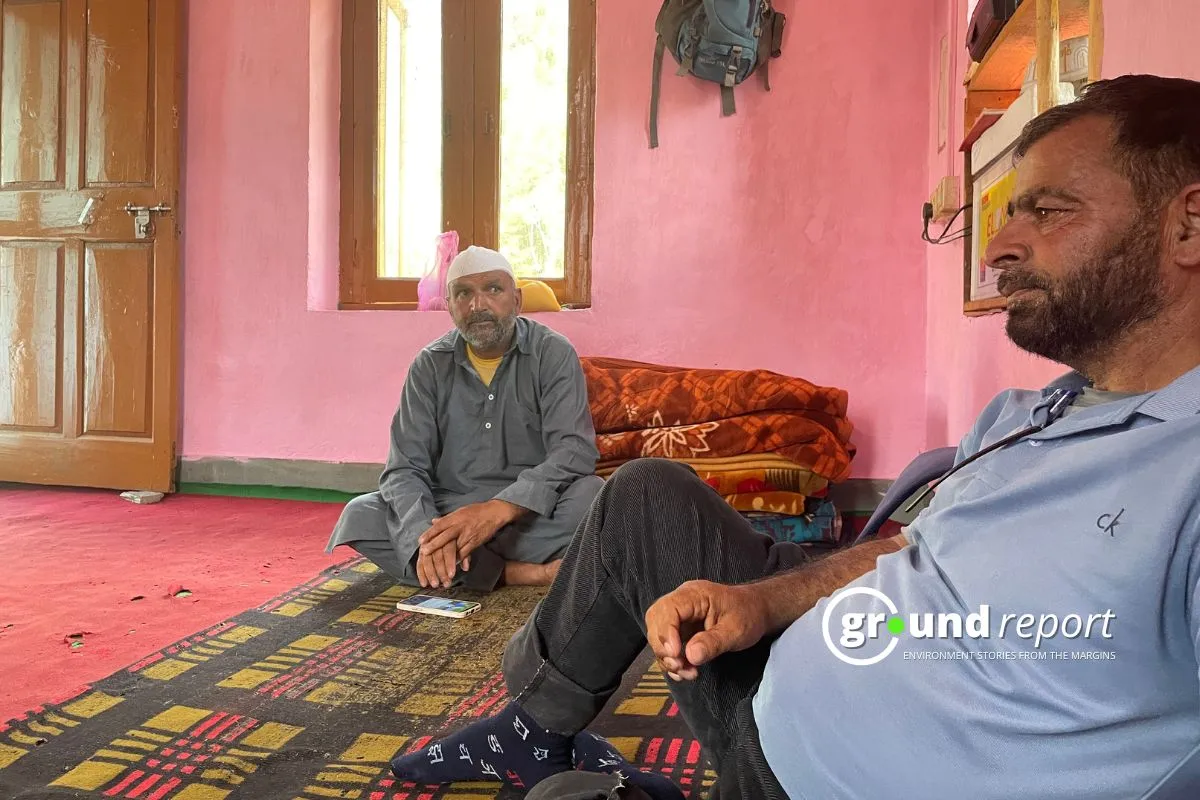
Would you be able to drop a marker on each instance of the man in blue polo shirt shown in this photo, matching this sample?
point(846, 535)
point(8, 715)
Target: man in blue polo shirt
point(1035, 631)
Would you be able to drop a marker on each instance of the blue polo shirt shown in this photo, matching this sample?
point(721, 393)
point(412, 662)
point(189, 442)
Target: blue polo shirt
point(1090, 523)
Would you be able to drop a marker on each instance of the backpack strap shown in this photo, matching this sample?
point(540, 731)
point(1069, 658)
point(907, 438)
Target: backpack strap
point(770, 44)
point(764, 58)
point(764, 45)
point(660, 47)
point(778, 20)
point(728, 107)
point(776, 50)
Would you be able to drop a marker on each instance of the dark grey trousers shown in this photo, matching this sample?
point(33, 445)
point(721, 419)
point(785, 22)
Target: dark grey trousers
point(653, 526)
point(365, 526)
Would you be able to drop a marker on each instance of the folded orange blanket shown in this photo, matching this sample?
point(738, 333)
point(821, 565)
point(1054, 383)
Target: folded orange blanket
point(632, 395)
point(788, 503)
point(754, 472)
point(797, 481)
point(648, 410)
point(792, 436)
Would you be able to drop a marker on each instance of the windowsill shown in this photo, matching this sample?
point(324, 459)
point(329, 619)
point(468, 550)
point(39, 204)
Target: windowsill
point(413, 307)
point(377, 307)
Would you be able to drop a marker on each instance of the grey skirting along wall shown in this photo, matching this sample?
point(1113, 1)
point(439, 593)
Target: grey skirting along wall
point(857, 495)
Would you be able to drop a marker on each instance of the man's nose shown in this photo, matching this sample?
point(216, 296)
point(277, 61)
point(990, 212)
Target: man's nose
point(476, 302)
point(1007, 248)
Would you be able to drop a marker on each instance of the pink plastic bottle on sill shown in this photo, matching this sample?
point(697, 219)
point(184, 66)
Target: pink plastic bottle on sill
point(431, 289)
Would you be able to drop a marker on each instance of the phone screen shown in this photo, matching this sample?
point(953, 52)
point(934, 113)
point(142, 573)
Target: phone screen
point(439, 603)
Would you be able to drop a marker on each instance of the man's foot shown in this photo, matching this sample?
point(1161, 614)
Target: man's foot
point(592, 753)
point(508, 747)
point(519, 573)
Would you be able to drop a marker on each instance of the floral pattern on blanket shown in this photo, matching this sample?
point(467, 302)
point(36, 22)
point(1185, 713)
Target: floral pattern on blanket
point(716, 413)
point(676, 441)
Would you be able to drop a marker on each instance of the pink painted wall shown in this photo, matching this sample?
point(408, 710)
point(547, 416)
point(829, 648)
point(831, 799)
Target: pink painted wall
point(782, 238)
point(1151, 36)
point(970, 360)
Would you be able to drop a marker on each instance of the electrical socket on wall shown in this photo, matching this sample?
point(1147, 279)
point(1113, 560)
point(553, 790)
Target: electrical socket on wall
point(945, 199)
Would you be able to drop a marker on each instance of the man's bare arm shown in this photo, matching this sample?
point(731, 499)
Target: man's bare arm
point(790, 596)
point(733, 618)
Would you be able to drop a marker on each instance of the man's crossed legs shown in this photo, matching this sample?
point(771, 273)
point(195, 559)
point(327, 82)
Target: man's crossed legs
point(653, 527)
point(524, 552)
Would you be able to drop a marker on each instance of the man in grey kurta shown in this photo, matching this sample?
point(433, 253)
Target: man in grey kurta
point(513, 460)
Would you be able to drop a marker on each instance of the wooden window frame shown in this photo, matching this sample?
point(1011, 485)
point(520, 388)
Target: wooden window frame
point(471, 179)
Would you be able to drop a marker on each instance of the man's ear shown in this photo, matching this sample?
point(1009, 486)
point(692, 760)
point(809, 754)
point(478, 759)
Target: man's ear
point(520, 297)
point(1187, 227)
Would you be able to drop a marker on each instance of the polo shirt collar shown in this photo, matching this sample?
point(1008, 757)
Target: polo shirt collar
point(1177, 400)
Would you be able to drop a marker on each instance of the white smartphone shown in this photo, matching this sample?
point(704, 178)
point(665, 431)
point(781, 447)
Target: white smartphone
point(440, 606)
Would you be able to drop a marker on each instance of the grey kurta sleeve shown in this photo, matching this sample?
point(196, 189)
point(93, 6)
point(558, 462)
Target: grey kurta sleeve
point(406, 482)
point(567, 433)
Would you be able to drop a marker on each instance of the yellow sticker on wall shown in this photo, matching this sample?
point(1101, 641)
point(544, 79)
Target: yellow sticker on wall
point(993, 215)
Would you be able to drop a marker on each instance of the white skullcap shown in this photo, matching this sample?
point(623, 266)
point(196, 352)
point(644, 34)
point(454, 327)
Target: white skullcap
point(475, 260)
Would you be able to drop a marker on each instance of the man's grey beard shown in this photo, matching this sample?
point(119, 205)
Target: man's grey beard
point(487, 338)
point(1081, 316)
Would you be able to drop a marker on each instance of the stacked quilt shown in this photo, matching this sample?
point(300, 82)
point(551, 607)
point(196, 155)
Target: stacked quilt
point(768, 443)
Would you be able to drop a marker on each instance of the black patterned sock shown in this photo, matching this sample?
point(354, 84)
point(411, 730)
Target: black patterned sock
point(592, 753)
point(508, 747)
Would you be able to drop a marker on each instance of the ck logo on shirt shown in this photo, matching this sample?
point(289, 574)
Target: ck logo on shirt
point(1108, 522)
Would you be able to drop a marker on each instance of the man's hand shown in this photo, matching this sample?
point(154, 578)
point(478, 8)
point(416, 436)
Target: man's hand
point(701, 620)
point(469, 527)
point(437, 569)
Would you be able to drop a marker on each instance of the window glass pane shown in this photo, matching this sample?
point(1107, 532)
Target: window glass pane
point(410, 135)
point(533, 136)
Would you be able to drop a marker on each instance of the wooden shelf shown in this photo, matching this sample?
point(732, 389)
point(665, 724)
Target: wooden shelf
point(1004, 65)
point(996, 82)
point(982, 308)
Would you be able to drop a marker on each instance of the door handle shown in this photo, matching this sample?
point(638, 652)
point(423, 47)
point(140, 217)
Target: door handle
point(141, 217)
point(87, 215)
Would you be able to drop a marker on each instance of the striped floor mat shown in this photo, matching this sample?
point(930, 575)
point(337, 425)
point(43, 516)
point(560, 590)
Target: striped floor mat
point(308, 697)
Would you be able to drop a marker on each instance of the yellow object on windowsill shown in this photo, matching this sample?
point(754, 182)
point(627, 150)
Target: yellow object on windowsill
point(537, 296)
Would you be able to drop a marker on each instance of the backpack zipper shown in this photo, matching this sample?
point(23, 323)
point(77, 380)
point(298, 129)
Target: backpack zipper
point(764, 5)
point(758, 26)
